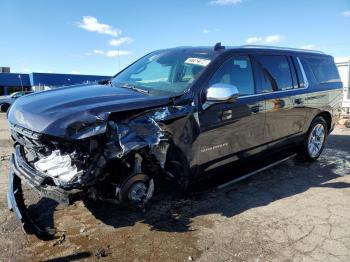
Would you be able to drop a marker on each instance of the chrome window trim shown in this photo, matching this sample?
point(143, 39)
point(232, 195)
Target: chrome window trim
point(273, 92)
point(306, 82)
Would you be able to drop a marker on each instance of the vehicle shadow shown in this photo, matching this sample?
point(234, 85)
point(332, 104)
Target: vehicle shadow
point(173, 212)
point(44, 219)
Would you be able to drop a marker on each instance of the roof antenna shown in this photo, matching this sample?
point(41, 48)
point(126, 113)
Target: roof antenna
point(218, 46)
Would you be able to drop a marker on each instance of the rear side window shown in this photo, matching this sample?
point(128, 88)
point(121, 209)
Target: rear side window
point(276, 71)
point(236, 71)
point(323, 69)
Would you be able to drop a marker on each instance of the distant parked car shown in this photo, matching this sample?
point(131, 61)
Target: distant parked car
point(6, 101)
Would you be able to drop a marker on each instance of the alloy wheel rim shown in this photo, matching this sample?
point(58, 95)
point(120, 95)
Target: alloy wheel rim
point(316, 140)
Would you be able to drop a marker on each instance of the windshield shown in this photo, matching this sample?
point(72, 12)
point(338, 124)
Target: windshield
point(170, 71)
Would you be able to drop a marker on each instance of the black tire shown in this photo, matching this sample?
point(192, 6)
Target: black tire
point(4, 107)
point(314, 143)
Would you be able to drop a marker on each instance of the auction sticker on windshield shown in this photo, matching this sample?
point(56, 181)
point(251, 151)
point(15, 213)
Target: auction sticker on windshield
point(197, 61)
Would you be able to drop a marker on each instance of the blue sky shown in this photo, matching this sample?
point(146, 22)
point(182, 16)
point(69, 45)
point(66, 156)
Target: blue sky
point(101, 37)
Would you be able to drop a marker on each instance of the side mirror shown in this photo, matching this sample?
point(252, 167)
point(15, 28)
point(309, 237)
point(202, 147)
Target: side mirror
point(221, 93)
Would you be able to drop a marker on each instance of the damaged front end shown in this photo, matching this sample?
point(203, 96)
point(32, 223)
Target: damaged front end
point(118, 159)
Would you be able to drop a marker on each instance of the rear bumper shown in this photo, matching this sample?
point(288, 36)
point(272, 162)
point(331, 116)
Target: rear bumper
point(21, 171)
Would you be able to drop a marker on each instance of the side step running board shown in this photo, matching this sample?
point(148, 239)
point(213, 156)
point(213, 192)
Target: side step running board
point(254, 172)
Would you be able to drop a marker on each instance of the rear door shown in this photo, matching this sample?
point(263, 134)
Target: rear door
point(229, 131)
point(285, 115)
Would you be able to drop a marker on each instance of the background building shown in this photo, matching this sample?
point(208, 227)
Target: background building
point(343, 64)
point(13, 82)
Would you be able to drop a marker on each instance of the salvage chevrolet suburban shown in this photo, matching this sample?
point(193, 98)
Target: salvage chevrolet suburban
point(174, 113)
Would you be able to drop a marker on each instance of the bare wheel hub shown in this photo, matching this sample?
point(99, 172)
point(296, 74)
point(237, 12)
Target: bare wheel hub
point(138, 192)
point(138, 189)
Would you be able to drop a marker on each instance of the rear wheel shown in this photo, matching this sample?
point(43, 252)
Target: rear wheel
point(315, 139)
point(4, 107)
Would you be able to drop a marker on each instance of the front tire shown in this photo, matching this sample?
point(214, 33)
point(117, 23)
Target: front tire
point(315, 139)
point(4, 107)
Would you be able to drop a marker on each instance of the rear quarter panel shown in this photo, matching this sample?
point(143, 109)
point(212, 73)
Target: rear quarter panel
point(325, 97)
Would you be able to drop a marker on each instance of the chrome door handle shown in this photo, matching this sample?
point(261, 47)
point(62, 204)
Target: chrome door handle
point(226, 115)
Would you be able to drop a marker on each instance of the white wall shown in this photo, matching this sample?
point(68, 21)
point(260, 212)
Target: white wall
point(343, 64)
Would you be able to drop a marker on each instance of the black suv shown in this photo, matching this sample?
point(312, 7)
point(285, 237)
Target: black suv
point(174, 113)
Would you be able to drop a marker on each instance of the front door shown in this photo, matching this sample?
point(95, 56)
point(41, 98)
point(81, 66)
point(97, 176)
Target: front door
point(229, 131)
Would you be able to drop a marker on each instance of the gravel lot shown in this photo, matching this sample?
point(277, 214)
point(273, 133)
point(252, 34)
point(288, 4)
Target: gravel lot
point(293, 212)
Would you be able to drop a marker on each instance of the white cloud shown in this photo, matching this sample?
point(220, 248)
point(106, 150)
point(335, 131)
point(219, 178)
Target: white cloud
point(309, 46)
point(91, 24)
point(210, 30)
point(253, 40)
point(98, 52)
point(225, 2)
point(270, 39)
point(112, 53)
point(120, 41)
point(346, 13)
point(75, 72)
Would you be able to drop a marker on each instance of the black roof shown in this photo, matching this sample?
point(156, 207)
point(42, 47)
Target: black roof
point(253, 49)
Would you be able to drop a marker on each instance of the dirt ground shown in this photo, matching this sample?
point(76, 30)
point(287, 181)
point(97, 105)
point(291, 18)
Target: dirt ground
point(292, 212)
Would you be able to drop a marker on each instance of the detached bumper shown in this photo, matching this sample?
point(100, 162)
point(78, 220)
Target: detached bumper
point(21, 171)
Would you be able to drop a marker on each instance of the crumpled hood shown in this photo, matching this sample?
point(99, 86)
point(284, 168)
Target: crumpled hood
point(52, 112)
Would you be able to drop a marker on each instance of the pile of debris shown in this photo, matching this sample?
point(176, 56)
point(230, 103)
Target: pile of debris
point(345, 121)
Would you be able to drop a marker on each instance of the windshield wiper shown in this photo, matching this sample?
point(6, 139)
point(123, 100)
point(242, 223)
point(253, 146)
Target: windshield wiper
point(135, 88)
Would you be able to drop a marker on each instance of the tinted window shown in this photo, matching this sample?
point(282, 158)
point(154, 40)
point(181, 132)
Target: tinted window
point(236, 71)
point(276, 71)
point(308, 72)
point(323, 69)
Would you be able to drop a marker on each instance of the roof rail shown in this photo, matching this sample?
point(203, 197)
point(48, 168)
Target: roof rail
point(282, 48)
